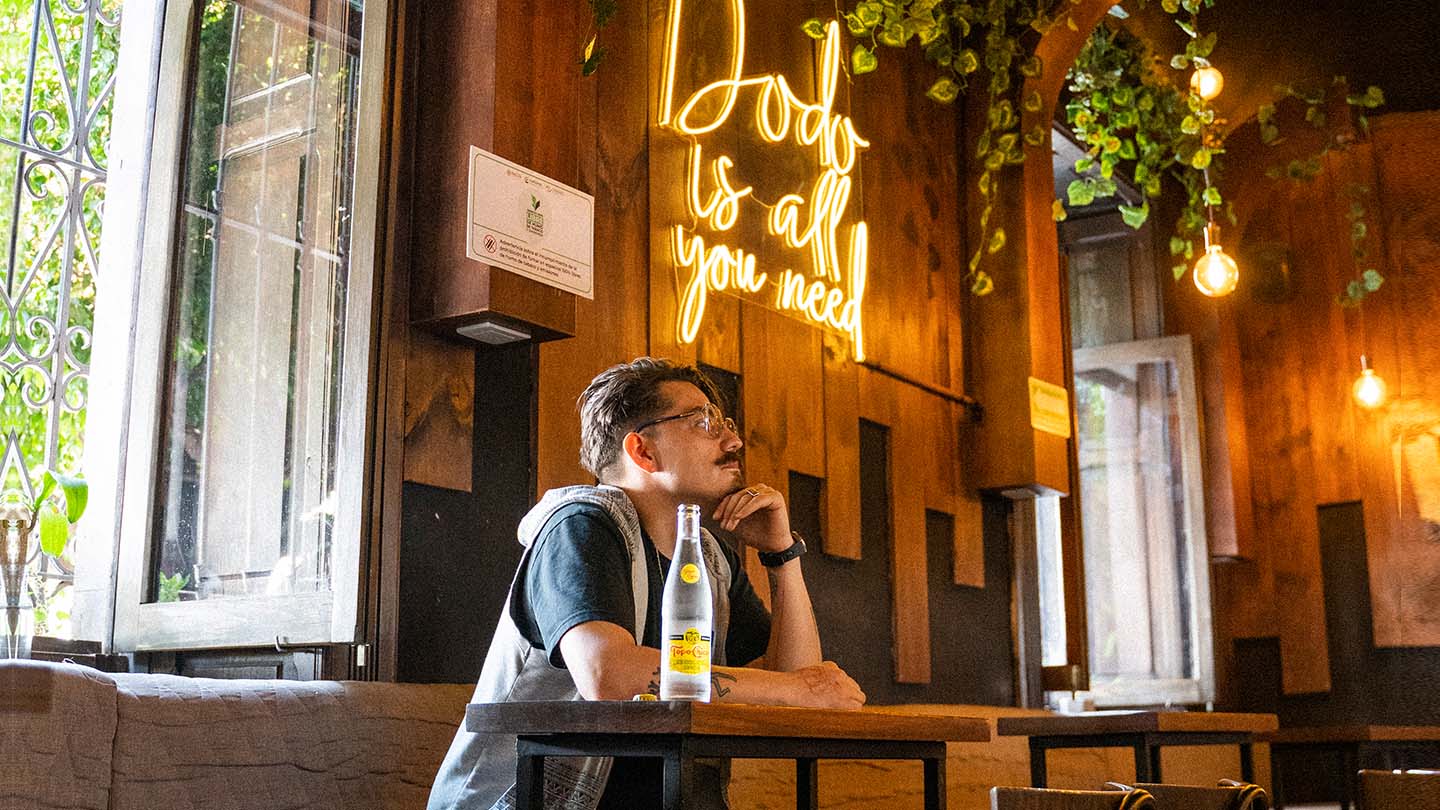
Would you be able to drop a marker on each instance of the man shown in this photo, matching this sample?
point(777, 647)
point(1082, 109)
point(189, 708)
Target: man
point(582, 621)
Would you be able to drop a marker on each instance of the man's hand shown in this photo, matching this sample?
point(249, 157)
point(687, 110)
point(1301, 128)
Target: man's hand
point(826, 686)
point(757, 516)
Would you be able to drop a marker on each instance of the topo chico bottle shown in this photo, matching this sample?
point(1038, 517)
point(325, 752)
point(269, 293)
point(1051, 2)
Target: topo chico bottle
point(685, 615)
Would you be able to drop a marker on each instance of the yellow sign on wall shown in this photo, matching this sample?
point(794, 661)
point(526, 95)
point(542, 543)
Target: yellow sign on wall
point(1049, 408)
point(830, 289)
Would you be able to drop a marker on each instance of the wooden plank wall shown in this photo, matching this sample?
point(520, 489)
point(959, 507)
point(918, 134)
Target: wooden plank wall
point(1308, 444)
point(802, 398)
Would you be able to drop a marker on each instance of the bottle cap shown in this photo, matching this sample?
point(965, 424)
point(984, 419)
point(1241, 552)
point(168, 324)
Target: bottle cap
point(644, 696)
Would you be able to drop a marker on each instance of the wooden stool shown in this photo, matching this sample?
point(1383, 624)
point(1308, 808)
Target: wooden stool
point(1400, 790)
point(1020, 798)
point(1229, 795)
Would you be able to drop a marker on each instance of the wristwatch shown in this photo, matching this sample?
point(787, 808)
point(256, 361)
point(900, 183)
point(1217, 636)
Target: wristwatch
point(775, 559)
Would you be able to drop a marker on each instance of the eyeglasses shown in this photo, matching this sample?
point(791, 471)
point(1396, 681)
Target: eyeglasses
point(709, 418)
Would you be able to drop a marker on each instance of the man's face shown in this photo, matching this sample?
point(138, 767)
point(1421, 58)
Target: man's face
point(691, 462)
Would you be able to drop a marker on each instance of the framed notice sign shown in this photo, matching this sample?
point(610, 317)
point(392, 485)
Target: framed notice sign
point(528, 224)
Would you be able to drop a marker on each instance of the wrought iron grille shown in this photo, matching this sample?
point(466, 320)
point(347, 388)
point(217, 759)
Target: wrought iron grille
point(57, 77)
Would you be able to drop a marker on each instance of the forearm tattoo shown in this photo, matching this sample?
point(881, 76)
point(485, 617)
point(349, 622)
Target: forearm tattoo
point(715, 687)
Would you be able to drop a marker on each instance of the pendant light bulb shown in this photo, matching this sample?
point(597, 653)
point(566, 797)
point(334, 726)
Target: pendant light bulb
point(1216, 274)
point(1206, 82)
point(1369, 388)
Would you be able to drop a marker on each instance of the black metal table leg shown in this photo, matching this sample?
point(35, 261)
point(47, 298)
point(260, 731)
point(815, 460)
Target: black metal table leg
point(1247, 763)
point(935, 782)
point(1154, 752)
point(1350, 764)
point(1142, 760)
point(1037, 762)
point(807, 784)
point(529, 782)
point(1277, 779)
point(679, 781)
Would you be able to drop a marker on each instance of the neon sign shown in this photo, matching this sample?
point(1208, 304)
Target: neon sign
point(831, 292)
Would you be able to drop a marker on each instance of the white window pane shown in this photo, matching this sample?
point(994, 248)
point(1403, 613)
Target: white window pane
point(248, 449)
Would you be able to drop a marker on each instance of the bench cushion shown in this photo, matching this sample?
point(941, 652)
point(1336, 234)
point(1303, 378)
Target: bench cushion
point(205, 744)
point(57, 728)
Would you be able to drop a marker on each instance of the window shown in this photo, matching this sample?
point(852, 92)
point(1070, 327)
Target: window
point(1146, 577)
point(243, 472)
point(1134, 526)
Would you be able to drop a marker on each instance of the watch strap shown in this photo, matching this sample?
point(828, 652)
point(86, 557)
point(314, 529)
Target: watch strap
point(775, 559)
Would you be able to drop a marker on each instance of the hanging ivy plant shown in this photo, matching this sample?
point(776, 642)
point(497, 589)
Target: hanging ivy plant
point(600, 13)
point(960, 38)
point(1127, 112)
point(1303, 170)
point(1145, 127)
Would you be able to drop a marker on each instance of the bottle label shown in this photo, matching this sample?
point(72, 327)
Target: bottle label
point(689, 653)
point(690, 573)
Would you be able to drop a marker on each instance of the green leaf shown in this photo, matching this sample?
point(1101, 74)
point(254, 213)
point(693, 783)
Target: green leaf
point(1189, 31)
point(944, 90)
point(1036, 136)
point(1372, 280)
point(1179, 61)
point(967, 62)
point(1178, 271)
point(813, 28)
point(47, 486)
point(1031, 67)
point(997, 241)
point(1127, 150)
point(893, 35)
point(1204, 45)
point(1358, 231)
point(1212, 196)
point(590, 64)
point(1190, 125)
point(982, 284)
point(54, 530)
point(1177, 246)
point(869, 14)
point(1170, 6)
point(590, 48)
point(1084, 164)
point(1135, 215)
point(77, 495)
point(855, 26)
point(862, 60)
point(1057, 211)
point(1080, 193)
point(1201, 158)
point(1033, 102)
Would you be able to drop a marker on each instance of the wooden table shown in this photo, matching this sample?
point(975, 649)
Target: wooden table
point(1144, 732)
point(1357, 746)
point(679, 732)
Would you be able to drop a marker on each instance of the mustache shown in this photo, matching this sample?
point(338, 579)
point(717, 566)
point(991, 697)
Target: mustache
point(734, 456)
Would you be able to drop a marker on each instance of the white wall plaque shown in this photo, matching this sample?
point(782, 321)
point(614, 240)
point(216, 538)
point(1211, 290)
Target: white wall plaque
point(527, 223)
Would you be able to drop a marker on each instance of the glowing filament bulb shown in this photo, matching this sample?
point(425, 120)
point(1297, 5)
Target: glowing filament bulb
point(1369, 389)
point(1216, 274)
point(1207, 82)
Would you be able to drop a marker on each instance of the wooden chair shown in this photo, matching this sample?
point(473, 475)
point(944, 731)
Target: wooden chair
point(1228, 795)
point(1400, 790)
point(1022, 798)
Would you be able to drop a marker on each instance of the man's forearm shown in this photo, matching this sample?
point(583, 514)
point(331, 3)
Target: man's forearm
point(794, 638)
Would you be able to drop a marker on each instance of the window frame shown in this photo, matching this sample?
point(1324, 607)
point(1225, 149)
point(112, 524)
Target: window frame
point(1199, 689)
point(315, 618)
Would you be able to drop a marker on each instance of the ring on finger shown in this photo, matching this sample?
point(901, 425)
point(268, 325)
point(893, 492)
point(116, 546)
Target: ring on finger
point(752, 492)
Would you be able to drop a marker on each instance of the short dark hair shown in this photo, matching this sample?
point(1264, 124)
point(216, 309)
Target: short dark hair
point(626, 395)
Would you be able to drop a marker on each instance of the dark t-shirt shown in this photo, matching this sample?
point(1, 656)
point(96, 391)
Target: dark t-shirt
point(579, 571)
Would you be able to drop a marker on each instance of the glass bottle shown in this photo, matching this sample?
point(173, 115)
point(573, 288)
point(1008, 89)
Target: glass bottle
point(686, 626)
